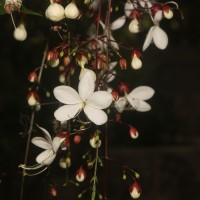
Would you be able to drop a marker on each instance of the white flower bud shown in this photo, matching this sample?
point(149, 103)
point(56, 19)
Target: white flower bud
point(55, 12)
point(95, 142)
point(20, 33)
point(134, 26)
point(71, 11)
point(136, 63)
point(168, 14)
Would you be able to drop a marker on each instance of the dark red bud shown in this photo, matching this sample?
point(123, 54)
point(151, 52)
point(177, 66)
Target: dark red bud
point(123, 87)
point(123, 63)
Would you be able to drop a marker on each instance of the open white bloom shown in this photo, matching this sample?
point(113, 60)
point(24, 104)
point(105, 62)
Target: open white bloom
point(20, 33)
point(156, 35)
point(55, 12)
point(86, 99)
point(50, 147)
point(136, 98)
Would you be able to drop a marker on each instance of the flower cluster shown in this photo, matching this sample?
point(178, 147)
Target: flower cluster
point(89, 65)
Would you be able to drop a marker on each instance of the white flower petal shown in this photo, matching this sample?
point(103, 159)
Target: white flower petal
point(113, 42)
point(112, 65)
point(139, 105)
point(160, 38)
point(67, 112)
point(148, 38)
point(66, 95)
point(56, 143)
point(46, 157)
point(86, 85)
point(142, 93)
point(97, 116)
point(99, 99)
point(128, 7)
point(158, 16)
point(47, 135)
point(120, 104)
point(111, 76)
point(41, 142)
point(118, 23)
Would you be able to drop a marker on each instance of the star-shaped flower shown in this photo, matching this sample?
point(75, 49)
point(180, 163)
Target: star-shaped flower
point(85, 99)
point(136, 98)
point(50, 147)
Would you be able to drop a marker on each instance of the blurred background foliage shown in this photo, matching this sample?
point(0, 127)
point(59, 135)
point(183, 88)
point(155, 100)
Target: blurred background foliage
point(169, 140)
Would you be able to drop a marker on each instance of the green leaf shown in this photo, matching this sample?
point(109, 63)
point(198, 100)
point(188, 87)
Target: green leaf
point(2, 10)
point(28, 11)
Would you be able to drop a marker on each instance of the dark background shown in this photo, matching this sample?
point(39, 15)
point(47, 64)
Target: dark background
point(167, 152)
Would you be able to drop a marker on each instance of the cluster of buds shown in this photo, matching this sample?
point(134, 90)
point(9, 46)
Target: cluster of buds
point(12, 5)
point(56, 12)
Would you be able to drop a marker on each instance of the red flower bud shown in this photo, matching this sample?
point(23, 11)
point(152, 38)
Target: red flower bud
point(77, 139)
point(123, 87)
point(115, 95)
point(133, 132)
point(80, 174)
point(52, 56)
point(32, 98)
point(66, 61)
point(66, 141)
point(32, 77)
point(134, 14)
point(123, 63)
point(135, 190)
point(53, 192)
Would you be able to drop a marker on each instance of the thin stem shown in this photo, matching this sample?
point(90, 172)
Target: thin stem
point(31, 126)
point(94, 179)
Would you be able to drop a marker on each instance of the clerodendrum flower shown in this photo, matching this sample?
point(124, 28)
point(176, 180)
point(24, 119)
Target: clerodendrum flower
point(50, 147)
point(85, 99)
point(136, 98)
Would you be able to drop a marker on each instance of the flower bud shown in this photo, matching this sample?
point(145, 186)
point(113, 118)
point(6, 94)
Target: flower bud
point(167, 12)
point(115, 95)
point(123, 63)
point(32, 98)
point(82, 59)
point(80, 174)
point(66, 61)
point(134, 26)
point(135, 190)
point(32, 77)
point(62, 77)
point(133, 132)
point(95, 142)
point(65, 141)
point(123, 87)
point(71, 11)
point(53, 192)
point(62, 163)
point(136, 63)
point(20, 33)
point(77, 139)
point(55, 12)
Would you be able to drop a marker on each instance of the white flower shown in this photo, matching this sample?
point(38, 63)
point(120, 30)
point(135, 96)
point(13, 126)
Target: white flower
point(158, 36)
point(120, 104)
point(20, 33)
point(136, 98)
point(55, 12)
point(87, 100)
point(50, 146)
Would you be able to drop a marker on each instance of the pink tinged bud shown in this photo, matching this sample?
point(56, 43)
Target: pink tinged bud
point(71, 11)
point(123, 63)
point(135, 14)
point(32, 98)
point(55, 12)
point(82, 59)
point(135, 190)
point(66, 61)
point(115, 95)
point(136, 63)
point(167, 12)
point(133, 132)
point(52, 55)
point(53, 192)
point(123, 88)
point(8, 9)
point(32, 77)
point(65, 142)
point(77, 139)
point(155, 8)
point(80, 174)
point(134, 26)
